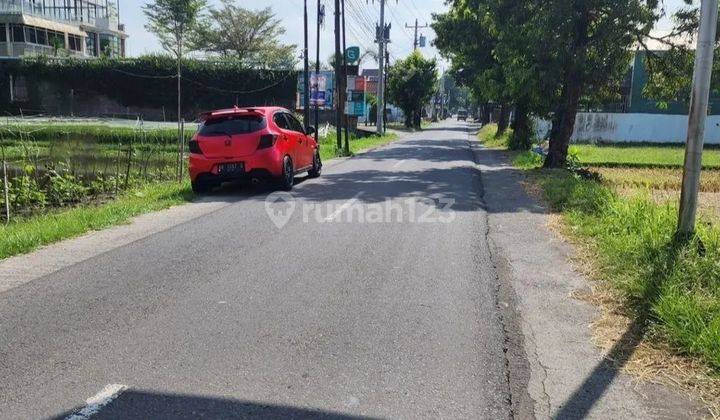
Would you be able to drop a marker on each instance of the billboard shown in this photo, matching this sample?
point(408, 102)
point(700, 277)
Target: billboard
point(355, 105)
point(321, 90)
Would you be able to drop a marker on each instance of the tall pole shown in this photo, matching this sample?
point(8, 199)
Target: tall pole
point(344, 80)
point(698, 114)
point(338, 75)
point(416, 43)
point(317, 73)
point(179, 111)
point(381, 62)
point(306, 75)
point(387, 76)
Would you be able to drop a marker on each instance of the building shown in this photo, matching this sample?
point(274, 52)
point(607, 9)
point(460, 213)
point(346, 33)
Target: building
point(372, 76)
point(638, 103)
point(80, 28)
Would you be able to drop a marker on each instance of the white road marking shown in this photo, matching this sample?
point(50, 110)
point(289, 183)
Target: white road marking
point(94, 404)
point(342, 208)
point(398, 163)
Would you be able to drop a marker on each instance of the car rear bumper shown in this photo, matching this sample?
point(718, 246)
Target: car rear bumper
point(261, 164)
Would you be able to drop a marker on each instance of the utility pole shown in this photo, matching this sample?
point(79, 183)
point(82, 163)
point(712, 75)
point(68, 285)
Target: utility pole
point(320, 17)
point(381, 73)
point(387, 77)
point(416, 44)
point(306, 69)
point(338, 75)
point(344, 94)
point(698, 114)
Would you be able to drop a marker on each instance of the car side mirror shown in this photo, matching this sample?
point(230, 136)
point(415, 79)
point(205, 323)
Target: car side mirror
point(310, 130)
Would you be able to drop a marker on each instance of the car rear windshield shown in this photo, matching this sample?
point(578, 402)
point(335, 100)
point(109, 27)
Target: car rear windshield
point(232, 125)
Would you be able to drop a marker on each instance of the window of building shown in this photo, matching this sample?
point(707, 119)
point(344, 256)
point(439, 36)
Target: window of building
point(41, 34)
point(109, 45)
point(30, 35)
point(56, 39)
point(3, 34)
point(18, 35)
point(74, 43)
point(90, 44)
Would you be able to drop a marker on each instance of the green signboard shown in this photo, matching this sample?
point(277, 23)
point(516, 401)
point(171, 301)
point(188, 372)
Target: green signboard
point(352, 54)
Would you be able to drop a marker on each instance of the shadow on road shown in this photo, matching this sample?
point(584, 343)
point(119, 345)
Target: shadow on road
point(150, 405)
point(452, 175)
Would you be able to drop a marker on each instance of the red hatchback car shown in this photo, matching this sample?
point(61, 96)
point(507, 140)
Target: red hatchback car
point(263, 143)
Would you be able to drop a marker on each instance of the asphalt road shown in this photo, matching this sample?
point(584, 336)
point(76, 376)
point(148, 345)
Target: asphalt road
point(391, 314)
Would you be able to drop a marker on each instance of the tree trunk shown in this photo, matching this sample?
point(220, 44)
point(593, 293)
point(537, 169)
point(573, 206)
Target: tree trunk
point(559, 144)
point(504, 119)
point(485, 114)
point(522, 135)
point(555, 127)
point(572, 89)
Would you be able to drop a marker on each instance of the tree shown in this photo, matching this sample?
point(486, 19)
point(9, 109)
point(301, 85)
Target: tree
point(597, 39)
point(411, 83)
point(250, 36)
point(464, 37)
point(547, 58)
point(175, 23)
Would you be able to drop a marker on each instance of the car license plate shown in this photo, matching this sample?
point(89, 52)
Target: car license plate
point(230, 168)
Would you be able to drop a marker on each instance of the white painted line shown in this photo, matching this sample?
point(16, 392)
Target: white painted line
point(94, 404)
point(398, 164)
point(342, 208)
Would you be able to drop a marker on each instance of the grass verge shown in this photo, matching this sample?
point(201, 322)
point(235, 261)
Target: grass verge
point(24, 235)
point(489, 137)
point(670, 287)
point(329, 150)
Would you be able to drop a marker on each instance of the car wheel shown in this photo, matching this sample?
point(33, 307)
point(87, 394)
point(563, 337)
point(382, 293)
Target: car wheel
point(317, 166)
point(200, 186)
point(288, 174)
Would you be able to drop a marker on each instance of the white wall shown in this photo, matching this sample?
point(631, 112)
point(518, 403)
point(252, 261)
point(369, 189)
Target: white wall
point(650, 128)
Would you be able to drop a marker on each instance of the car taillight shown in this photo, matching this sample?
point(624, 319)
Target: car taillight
point(267, 141)
point(194, 147)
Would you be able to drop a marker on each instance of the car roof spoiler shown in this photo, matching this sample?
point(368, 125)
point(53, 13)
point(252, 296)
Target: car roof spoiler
point(230, 111)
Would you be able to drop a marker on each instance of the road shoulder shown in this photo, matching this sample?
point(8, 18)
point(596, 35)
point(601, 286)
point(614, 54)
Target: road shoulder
point(568, 376)
point(24, 268)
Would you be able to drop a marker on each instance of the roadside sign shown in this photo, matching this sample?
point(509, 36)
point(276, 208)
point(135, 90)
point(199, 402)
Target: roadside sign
point(352, 54)
point(355, 109)
point(356, 96)
point(321, 90)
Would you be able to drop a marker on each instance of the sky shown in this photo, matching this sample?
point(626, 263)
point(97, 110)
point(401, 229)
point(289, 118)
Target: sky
point(361, 15)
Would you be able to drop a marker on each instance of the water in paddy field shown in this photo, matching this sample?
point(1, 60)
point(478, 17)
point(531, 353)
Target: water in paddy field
point(50, 170)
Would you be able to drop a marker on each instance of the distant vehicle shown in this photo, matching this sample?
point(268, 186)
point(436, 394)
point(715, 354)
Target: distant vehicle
point(462, 115)
point(264, 143)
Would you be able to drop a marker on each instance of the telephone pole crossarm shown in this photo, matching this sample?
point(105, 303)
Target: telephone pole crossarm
point(416, 43)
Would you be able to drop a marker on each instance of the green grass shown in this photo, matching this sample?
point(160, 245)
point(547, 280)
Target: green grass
point(527, 160)
point(489, 137)
point(328, 145)
point(95, 132)
point(639, 156)
point(24, 235)
point(400, 126)
point(672, 286)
